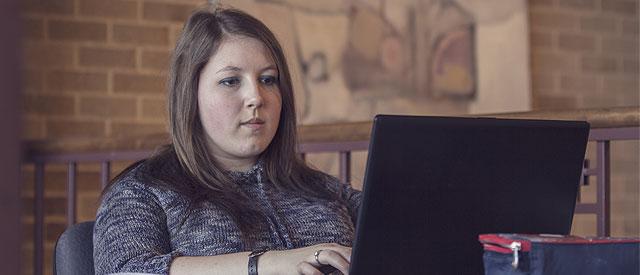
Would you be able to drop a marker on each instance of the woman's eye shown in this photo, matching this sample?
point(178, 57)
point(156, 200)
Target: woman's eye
point(230, 82)
point(268, 80)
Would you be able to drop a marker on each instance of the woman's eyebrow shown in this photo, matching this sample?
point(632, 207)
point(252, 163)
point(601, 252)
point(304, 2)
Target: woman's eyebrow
point(270, 67)
point(229, 68)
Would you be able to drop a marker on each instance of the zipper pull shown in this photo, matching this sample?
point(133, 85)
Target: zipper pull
point(515, 247)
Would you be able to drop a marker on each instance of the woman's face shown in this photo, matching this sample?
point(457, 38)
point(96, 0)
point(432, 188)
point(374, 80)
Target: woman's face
point(239, 102)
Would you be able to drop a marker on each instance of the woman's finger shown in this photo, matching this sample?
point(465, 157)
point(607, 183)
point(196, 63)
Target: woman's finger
point(308, 269)
point(344, 251)
point(332, 258)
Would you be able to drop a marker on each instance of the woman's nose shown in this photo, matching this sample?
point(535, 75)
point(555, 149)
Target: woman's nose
point(254, 97)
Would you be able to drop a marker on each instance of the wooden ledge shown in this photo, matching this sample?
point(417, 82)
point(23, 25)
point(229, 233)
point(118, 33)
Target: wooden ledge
point(334, 132)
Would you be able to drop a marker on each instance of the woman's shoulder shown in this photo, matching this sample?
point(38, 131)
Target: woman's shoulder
point(134, 194)
point(143, 178)
point(132, 180)
point(339, 187)
point(151, 170)
point(330, 182)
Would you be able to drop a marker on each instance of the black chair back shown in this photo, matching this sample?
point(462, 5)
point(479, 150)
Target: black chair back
point(73, 253)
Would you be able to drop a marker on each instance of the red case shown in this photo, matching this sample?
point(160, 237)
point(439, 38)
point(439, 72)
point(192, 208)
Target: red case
point(557, 254)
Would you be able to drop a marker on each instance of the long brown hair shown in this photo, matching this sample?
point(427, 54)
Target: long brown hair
point(199, 177)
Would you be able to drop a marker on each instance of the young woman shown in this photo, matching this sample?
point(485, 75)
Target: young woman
point(229, 195)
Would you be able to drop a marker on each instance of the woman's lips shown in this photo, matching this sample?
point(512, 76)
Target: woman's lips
point(254, 123)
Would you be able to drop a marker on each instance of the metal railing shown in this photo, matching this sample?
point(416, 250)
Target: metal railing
point(343, 138)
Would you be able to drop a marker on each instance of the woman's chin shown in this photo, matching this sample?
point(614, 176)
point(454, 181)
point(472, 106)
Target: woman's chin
point(251, 151)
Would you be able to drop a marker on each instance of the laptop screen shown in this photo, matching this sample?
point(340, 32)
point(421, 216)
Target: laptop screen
point(432, 184)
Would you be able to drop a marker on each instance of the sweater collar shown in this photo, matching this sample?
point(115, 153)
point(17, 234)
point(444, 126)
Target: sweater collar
point(254, 175)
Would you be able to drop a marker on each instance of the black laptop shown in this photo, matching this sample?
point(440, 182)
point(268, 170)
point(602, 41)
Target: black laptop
point(432, 184)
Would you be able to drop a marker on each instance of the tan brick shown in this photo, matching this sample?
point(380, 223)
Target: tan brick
point(52, 206)
point(615, 45)
point(118, 166)
point(154, 108)
point(129, 129)
point(630, 27)
point(626, 154)
point(547, 62)
point(621, 84)
point(33, 28)
point(142, 35)
point(47, 56)
point(628, 8)
point(158, 60)
point(48, 255)
point(540, 39)
point(541, 3)
point(76, 81)
point(75, 129)
point(554, 102)
point(77, 31)
point(138, 83)
point(580, 4)
point(56, 181)
point(630, 65)
point(598, 101)
point(628, 98)
point(88, 206)
point(579, 83)
point(104, 57)
point(53, 230)
point(583, 225)
point(598, 24)
point(174, 34)
point(48, 104)
point(49, 6)
point(553, 20)
point(599, 64)
point(109, 9)
point(166, 11)
point(576, 42)
point(542, 81)
point(108, 107)
point(32, 129)
point(32, 81)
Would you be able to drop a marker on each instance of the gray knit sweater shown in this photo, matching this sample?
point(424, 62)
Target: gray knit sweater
point(142, 228)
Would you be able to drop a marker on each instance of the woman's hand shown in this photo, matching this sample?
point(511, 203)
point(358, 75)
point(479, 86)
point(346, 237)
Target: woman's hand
point(303, 260)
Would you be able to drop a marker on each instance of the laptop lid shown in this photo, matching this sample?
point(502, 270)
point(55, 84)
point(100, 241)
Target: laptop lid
point(432, 184)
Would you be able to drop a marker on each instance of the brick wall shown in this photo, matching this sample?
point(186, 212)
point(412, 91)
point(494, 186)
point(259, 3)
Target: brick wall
point(584, 54)
point(91, 68)
point(97, 69)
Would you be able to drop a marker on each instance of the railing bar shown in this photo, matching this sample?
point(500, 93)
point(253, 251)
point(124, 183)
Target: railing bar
point(602, 172)
point(603, 188)
point(626, 133)
point(105, 174)
point(333, 146)
point(38, 208)
point(345, 167)
point(91, 157)
point(590, 171)
point(595, 134)
point(586, 208)
point(71, 193)
point(586, 172)
point(579, 194)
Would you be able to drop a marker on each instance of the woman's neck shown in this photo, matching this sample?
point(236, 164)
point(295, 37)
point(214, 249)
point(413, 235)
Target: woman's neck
point(237, 165)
